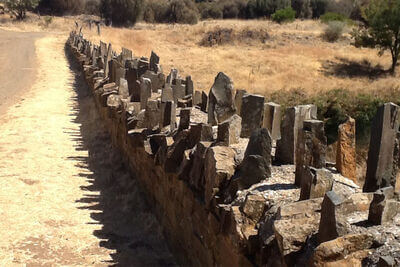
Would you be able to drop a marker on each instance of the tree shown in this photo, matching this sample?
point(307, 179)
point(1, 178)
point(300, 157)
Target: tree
point(382, 28)
point(19, 7)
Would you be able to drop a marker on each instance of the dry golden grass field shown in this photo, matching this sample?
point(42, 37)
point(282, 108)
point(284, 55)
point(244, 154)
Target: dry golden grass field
point(261, 56)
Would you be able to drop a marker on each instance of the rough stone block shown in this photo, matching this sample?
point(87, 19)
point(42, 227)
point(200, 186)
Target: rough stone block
point(123, 89)
point(229, 130)
point(254, 207)
point(184, 121)
point(168, 115)
point(204, 102)
point(239, 99)
point(380, 155)
point(295, 223)
point(200, 132)
point(311, 148)
point(290, 127)
point(252, 113)
point(383, 207)
point(219, 167)
point(333, 222)
point(152, 114)
point(256, 165)
point(189, 87)
point(197, 98)
point(272, 119)
point(315, 183)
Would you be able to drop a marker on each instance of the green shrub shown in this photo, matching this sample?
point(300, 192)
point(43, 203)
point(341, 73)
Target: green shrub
point(333, 31)
point(284, 15)
point(330, 16)
point(335, 105)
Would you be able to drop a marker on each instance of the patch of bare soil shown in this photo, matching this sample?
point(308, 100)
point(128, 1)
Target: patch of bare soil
point(66, 198)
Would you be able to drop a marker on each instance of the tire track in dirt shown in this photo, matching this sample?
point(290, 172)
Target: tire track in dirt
point(65, 196)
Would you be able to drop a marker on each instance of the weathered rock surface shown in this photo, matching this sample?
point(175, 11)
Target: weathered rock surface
point(291, 125)
point(346, 149)
point(252, 110)
point(221, 104)
point(380, 155)
point(229, 130)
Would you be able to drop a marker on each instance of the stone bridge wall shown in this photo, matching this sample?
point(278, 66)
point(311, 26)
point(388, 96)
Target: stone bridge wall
point(235, 185)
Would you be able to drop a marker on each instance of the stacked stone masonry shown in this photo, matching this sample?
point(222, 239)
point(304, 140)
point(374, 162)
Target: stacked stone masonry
point(224, 193)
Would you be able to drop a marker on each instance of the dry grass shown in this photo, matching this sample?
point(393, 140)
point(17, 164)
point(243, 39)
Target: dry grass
point(294, 57)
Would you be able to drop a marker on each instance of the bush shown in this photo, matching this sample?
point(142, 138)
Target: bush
point(183, 11)
point(92, 7)
point(333, 31)
point(330, 16)
point(121, 12)
point(62, 7)
point(302, 8)
point(284, 15)
point(318, 7)
point(262, 8)
point(210, 10)
point(156, 11)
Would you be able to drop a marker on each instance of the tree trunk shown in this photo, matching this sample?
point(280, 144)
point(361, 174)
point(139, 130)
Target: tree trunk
point(394, 63)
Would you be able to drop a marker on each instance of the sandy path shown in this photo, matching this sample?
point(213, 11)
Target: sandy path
point(59, 178)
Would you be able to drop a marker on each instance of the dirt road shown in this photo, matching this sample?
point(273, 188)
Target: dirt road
point(65, 196)
point(17, 59)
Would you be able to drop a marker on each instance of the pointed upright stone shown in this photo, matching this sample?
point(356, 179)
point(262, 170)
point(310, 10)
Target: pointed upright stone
point(154, 61)
point(107, 60)
point(221, 104)
point(189, 86)
point(346, 149)
point(168, 115)
point(184, 121)
point(380, 155)
point(204, 102)
point(145, 92)
point(311, 148)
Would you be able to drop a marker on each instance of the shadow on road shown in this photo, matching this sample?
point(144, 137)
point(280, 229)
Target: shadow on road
point(113, 196)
